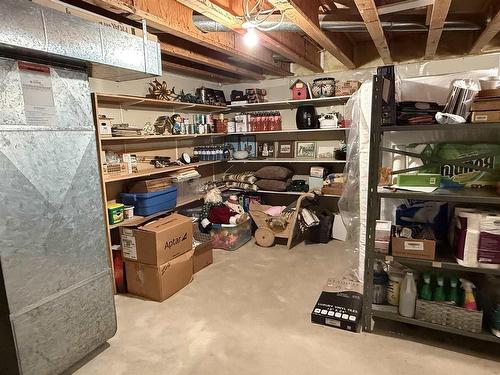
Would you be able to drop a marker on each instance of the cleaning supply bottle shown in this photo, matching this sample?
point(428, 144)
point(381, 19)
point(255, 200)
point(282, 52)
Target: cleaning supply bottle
point(408, 296)
point(425, 289)
point(454, 296)
point(440, 295)
point(469, 299)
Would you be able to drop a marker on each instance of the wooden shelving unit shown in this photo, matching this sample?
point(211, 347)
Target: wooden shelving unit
point(280, 192)
point(153, 138)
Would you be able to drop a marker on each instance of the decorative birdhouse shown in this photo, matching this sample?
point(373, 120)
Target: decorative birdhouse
point(299, 90)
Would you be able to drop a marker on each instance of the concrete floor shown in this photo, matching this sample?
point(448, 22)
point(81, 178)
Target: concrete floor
point(249, 313)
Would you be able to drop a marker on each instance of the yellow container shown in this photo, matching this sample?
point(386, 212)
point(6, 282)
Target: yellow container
point(115, 213)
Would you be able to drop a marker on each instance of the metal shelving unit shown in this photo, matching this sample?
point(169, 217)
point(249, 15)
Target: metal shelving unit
point(376, 194)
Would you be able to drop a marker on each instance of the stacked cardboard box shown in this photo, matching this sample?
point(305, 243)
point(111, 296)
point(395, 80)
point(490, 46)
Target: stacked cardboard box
point(158, 257)
point(486, 106)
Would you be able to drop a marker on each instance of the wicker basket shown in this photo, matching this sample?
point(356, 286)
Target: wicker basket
point(448, 315)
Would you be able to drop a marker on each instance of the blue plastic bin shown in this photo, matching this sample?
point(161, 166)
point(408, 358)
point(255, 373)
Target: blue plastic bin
point(150, 203)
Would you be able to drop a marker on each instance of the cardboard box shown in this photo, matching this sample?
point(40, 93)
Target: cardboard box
point(486, 116)
point(340, 305)
point(150, 186)
point(158, 241)
point(203, 256)
point(412, 248)
point(492, 104)
point(159, 282)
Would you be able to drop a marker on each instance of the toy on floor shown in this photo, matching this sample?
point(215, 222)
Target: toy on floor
point(215, 211)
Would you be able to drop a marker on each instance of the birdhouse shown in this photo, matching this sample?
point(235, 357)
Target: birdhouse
point(299, 90)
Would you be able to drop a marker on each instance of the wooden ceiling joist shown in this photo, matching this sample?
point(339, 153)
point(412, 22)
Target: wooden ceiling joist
point(304, 13)
point(369, 13)
point(403, 5)
point(172, 17)
point(175, 67)
point(289, 45)
point(181, 50)
point(438, 17)
point(489, 32)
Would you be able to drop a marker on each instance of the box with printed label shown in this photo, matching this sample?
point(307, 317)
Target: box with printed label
point(159, 282)
point(413, 248)
point(158, 241)
point(203, 256)
point(340, 305)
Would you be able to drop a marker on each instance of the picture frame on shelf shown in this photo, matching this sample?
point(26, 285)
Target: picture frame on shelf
point(325, 150)
point(266, 150)
point(285, 149)
point(305, 149)
point(249, 143)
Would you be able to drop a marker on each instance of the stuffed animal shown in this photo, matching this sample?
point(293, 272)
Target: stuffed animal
point(214, 211)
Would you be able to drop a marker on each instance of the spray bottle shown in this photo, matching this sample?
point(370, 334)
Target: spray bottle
point(469, 300)
point(453, 296)
point(425, 290)
point(439, 294)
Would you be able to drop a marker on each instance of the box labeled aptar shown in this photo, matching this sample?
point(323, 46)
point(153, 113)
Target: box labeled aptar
point(340, 305)
point(413, 248)
point(159, 282)
point(158, 241)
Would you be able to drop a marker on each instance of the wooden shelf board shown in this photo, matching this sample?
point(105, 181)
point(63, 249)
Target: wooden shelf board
point(153, 138)
point(484, 196)
point(283, 160)
point(287, 104)
point(138, 102)
point(280, 192)
point(156, 171)
point(288, 131)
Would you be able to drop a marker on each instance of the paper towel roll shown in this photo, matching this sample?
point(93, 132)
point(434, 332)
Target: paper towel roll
point(489, 241)
point(467, 237)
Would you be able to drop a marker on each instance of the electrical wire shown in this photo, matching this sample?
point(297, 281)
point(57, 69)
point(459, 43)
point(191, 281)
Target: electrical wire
point(258, 15)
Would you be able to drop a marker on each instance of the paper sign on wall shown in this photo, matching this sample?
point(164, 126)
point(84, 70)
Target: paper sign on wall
point(38, 97)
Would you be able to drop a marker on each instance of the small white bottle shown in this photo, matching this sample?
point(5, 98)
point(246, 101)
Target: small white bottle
point(408, 296)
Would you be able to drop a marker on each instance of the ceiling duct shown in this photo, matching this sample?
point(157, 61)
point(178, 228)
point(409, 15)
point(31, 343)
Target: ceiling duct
point(205, 24)
point(47, 34)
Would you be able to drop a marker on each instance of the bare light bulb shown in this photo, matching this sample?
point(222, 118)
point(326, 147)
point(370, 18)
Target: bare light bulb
point(250, 38)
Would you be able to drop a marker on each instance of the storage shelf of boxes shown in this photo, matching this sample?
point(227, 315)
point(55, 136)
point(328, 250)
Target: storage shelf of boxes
point(455, 251)
point(133, 162)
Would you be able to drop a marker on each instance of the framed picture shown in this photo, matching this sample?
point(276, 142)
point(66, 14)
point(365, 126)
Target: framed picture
point(305, 149)
point(266, 150)
point(326, 149)
point(285, 149)
point(248, 143)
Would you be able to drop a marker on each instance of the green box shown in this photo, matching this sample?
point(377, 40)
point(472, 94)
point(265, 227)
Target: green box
point(419, 180)
point(115, 213)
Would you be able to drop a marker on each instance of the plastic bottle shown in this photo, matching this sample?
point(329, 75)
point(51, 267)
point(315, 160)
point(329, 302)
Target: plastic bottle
point(440, 295)
point(425, 290)
point(454, 295)
point(408, 296)
point(469, 300)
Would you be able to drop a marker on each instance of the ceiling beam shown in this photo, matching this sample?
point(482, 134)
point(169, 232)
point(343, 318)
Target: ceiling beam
point(489, 32)
point(438, 16)
point(291, 46)
point(169, 16)
point(179, 50)
point(304, 13)
point(368, 11)
point(175, 67)
point(403, 5)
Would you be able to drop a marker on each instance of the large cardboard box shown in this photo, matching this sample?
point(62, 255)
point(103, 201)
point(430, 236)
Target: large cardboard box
point(412, 248)
point(203, 256)
point(158, 241)
point(486, 116)
point(159, 282)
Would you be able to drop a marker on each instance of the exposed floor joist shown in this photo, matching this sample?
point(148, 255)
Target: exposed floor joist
point(304, 13)
point(182, 68)
point(368, 11)
point(289, 45)
point(488, 34)
point(438, 17)
point(189, 51)
point(171, 17)
point(403, 5)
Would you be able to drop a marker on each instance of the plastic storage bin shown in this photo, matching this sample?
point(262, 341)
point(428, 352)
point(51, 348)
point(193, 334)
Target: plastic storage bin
point(150, 203)
point(188, 190)
point(231, 237)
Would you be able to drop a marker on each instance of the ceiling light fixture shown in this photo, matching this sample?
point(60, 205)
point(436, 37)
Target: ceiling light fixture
point(250, 38)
